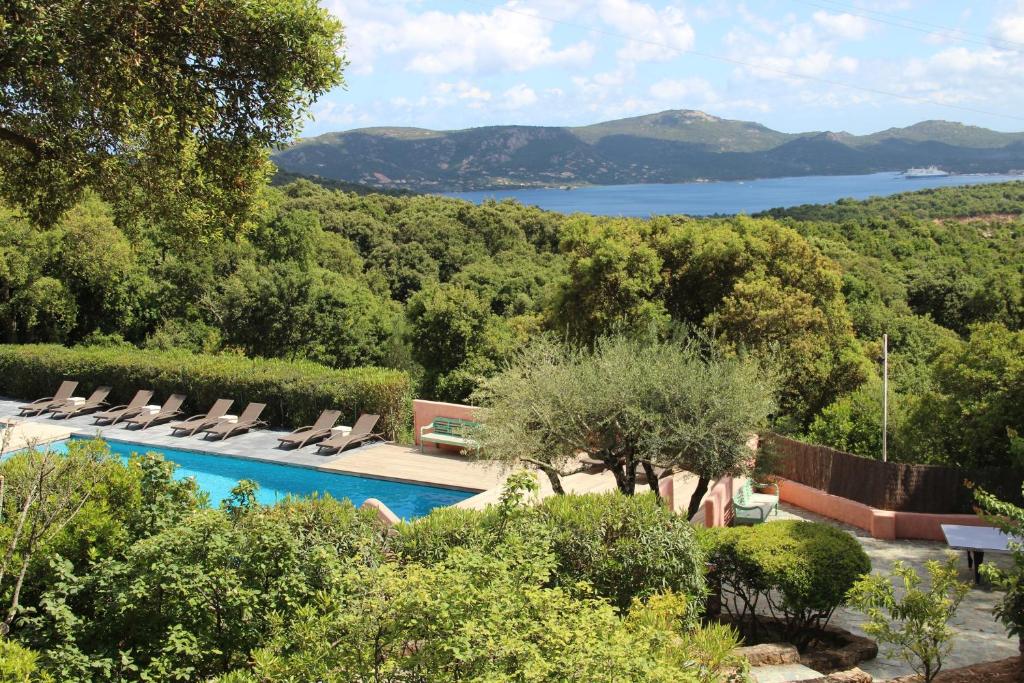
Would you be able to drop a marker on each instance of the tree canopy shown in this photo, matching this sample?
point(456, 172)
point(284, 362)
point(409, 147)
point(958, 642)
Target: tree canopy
point(632, 405)
point(165, 108)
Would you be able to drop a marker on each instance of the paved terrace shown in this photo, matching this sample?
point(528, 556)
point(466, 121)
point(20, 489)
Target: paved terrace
point(979, 638)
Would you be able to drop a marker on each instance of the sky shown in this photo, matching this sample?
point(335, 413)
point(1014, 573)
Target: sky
point(448, 64)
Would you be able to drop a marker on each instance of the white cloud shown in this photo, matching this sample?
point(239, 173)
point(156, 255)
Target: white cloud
point(519, 96)
point(844, 26)
point(664, 32)
point(508, 38)
point(1010, 25)
point(681, 90)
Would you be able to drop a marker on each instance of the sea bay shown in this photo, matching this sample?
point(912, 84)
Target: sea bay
point(723, 197)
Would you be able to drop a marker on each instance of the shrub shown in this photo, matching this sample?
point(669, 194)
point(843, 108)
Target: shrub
point(295, 391)
point(430, 539)
point(475, 617)
point(799, 571)
point(625, 547)
point(916, 626)
point(1010, 519)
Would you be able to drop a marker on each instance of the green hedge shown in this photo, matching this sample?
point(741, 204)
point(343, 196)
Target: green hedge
point(295, 391)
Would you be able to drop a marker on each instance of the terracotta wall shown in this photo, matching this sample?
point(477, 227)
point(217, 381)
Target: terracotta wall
point(717, 503)
point(424, 412)
point(879, 523)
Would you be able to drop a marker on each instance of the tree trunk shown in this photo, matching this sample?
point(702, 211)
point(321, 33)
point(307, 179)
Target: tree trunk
point(698, 494)
point(556, 481)
point(652, 478)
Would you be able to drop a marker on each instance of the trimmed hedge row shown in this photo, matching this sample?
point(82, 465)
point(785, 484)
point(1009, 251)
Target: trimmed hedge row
point(295, 391)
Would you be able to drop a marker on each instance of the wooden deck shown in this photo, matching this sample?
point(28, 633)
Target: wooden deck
point(18, 433)
point(404, 463)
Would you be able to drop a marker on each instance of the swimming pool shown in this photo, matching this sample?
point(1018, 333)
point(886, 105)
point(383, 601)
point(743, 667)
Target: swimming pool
point(217, 475)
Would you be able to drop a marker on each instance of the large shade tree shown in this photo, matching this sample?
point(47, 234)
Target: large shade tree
point(633, 405)
point(167, 108)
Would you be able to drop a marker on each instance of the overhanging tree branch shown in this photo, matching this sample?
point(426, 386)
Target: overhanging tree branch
point(29, 144)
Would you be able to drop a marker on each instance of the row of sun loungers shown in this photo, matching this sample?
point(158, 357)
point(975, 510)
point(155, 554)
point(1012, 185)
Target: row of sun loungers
point(214, 423)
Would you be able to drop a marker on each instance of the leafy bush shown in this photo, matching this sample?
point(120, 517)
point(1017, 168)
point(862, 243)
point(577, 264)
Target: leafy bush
point(474, 617)
point(915, 627)
point(622, 547)
point(430, 539)
point(625, 547)
point(193, 600)
point(295, 392)
point(1010, 519)
point(799, 571)
point(19, 665)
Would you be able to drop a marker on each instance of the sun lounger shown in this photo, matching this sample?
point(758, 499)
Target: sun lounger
point(43, 405)
point(170, 409)
point(362, 431)
point(249, 419)
point(97, 400)
point(131, 409)
point(199, 423)
point(321, 429)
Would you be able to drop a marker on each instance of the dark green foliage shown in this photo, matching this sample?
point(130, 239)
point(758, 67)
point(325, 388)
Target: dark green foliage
point(620, 547)
point(166, 109)
point(193, 600)
point(800, 570)
point(295, 392)
point(625, 547)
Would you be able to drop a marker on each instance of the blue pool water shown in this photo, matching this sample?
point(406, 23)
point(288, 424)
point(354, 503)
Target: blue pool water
point(217, 475)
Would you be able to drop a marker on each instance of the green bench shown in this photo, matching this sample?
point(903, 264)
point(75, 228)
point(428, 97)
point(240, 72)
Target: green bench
point(450, 431)
point(753, 508)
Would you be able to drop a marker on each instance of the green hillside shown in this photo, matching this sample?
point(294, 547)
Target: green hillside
point(666, 147)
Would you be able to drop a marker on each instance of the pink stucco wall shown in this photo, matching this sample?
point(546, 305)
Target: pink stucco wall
point(882, 524)
point(424, 412)
point(716, 503)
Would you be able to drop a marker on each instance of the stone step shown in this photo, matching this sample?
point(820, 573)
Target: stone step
point(783, 673)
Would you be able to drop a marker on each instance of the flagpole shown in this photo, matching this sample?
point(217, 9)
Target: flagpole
point(885, 398)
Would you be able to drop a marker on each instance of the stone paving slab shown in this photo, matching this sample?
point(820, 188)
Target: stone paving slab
point(782, 673)
point(979, 637)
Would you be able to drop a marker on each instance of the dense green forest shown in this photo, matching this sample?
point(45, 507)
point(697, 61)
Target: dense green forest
point(449, 290)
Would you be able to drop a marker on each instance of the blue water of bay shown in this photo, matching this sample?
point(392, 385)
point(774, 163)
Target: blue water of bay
point(723, 197)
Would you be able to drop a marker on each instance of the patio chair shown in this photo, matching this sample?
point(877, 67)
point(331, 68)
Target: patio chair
point(202, 422)
point(170, 409)
point(97, 400)
point(43, 405)
point(115, 414)
point(321, 429)
point(249, 419)
point(362, 431)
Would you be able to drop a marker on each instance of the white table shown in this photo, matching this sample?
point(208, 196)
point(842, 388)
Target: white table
point(976, 541)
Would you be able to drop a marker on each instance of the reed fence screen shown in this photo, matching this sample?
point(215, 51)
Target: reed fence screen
point(894, 486)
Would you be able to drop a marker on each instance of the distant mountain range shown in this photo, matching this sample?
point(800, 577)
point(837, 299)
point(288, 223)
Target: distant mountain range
point(667, 147)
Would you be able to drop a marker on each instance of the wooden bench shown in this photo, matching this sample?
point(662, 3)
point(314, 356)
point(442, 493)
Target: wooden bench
point(450, 431)
point(753, 508)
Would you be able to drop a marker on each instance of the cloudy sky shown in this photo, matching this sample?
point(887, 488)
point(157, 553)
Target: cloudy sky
point(459, 63)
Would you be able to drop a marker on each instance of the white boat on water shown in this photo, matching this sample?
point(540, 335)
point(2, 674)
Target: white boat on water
point(927, 172)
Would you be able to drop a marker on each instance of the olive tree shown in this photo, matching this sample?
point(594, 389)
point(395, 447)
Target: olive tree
point(632, 405)
point(167, 107)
